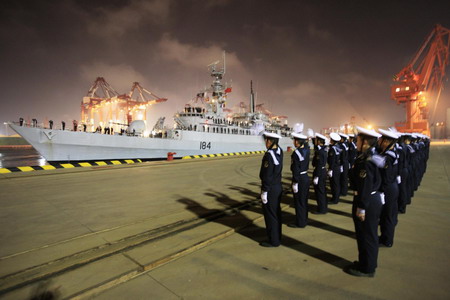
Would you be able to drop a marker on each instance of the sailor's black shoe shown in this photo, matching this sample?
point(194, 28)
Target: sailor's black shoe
point(293, 225)
point(382, 243)
point(267, 244)
point(356, 272)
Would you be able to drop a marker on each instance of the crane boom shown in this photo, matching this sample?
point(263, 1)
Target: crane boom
point(421, 80)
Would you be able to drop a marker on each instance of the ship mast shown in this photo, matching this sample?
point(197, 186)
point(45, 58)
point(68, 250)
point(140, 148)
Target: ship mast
point(252, 98)
point(218, 89)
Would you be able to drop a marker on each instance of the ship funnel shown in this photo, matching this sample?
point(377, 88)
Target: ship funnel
point(252, 98)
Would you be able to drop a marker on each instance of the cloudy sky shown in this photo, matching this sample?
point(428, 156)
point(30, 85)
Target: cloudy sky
point(318, 62)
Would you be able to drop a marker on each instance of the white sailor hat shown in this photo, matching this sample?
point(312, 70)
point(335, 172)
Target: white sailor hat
point(351, 135)
point(368, 132)
point(389, 134)
point(414, 135)
point(343, 135)
point(335, 137)
point(299, 136)
point(320, 136)
point(271, 135)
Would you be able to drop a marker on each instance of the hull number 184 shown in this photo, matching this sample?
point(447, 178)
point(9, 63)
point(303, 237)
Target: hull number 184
point(205, 145)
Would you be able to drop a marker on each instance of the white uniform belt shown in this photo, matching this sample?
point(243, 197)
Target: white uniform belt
point(373, 192)
point(299, 155)
point(304, 172)
point(275, 160)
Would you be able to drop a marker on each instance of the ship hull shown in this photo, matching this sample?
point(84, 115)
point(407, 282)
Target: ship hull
point(63, 145)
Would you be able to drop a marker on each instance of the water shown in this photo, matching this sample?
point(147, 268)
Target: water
point(20, 157)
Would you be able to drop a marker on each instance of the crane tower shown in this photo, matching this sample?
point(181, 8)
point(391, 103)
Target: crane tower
point(420, 82)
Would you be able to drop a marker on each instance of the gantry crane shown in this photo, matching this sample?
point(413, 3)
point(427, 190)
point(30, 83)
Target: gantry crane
point(420, 82)
point(113, 109)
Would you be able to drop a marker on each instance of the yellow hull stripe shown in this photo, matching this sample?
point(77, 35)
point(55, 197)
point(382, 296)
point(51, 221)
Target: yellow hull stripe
point(222, 154)
point(68, 165)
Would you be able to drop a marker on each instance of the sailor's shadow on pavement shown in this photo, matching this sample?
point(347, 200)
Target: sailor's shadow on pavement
point(290, 218)
point(245, 226)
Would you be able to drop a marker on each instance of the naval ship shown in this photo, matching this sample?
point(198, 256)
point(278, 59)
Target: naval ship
point(204, 126)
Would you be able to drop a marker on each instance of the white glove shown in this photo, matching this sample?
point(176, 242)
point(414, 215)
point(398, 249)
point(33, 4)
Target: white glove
point(342, 169)
point(295, 188)
point(382, 198)
point(330, 173)
point(361, 213)
point(264, 197)
point(399, 179)
point(349, 165)
point(316, 180)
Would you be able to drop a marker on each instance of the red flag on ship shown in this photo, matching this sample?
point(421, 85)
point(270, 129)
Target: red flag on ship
point(228, 90)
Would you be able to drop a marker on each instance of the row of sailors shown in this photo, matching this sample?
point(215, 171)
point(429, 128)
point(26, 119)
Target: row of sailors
point(106, 130)
point(383, 169)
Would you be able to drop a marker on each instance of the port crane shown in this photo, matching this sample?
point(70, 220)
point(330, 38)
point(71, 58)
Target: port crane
point(109, 108)
point(420, 82)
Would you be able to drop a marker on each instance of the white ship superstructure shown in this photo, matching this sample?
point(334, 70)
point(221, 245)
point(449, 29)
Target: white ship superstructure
point(202, 127)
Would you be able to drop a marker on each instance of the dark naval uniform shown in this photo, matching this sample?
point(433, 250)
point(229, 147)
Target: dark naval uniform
point(334, 165)
point(344, 168)
point(319, 162)
point(389, 186)
point(403, 172)
point(299, 168)
point(352, 153)
point(411, 152)
point(270, 175)
point(366, 180)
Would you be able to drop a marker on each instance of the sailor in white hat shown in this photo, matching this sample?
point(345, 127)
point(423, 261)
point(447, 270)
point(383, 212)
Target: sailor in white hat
point(402, 152)
point(389, 186)
point(334, 167)
point(410, 164)
point(300, 179)
point(344, 164)
point(422, 157)
point(413, 150)
point(352, 152)
point(426, 152)
point(320, 173)
point(366, 180)
point(270, 175)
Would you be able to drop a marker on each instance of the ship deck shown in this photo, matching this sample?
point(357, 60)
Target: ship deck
point(190, 229)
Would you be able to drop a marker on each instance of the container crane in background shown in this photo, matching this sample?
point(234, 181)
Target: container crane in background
point(420, 82)
point(113, 109)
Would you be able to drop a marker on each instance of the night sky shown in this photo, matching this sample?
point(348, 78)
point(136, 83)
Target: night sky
point(318, 62)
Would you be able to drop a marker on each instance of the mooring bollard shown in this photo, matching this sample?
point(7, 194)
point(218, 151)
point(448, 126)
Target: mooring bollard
point(170, 155)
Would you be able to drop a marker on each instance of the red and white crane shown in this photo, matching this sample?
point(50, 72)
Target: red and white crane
point(420, 82)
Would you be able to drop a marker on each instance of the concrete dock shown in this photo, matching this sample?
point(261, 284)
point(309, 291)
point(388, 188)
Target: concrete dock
point(189, 229)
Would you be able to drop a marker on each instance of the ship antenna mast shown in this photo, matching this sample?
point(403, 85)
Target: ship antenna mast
point(224, 65)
